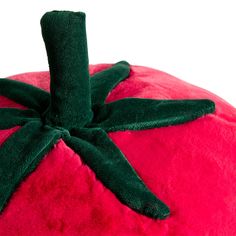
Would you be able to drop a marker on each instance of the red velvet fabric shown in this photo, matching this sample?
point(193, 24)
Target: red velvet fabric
point(191, 167)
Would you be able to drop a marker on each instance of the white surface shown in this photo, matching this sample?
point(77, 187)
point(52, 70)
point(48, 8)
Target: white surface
point(192, 40)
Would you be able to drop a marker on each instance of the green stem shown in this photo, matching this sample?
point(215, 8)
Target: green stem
point(64, 34)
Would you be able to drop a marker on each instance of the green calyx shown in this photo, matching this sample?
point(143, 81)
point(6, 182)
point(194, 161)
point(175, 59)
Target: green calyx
point(75, 110)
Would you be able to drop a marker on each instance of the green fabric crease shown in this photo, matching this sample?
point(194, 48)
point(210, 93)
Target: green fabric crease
point(75, 110)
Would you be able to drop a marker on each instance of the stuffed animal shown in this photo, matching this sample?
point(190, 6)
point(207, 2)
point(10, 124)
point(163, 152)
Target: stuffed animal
point(112, 149)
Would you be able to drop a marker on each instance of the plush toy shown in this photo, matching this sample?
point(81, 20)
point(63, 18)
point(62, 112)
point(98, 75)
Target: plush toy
point(112, 149)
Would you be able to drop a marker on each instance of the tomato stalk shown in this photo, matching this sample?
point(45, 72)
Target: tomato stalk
point(64, 34)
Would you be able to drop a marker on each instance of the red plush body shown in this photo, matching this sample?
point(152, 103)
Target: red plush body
point(191, 167)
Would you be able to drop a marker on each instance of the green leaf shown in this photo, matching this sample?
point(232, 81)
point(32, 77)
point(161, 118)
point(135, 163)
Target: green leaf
point(25, 94)
point(139, 114)
point(20, 155)
point(115, 172)
point(10, 117)
point(103, 82)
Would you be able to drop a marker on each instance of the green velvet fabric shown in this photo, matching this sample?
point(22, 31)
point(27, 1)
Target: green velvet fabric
point(76, 111)
point(138, 113)
point(113, 169)
point(64, 35)
point(10, 117)
point(25, 94)
point(21, 154)
point(103, 82)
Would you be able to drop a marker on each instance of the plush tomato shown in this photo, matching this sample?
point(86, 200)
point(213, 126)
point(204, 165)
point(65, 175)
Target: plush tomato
point(113, 150)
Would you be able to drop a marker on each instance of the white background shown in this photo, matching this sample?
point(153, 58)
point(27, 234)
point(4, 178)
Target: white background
point(193, 40)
